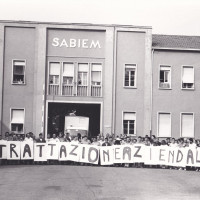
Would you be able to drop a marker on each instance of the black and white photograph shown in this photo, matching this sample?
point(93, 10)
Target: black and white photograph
point(99, 100)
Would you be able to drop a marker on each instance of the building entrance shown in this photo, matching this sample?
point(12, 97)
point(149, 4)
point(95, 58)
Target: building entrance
point(58, 111)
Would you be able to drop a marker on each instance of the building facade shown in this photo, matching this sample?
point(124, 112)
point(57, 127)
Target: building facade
point(115, 75)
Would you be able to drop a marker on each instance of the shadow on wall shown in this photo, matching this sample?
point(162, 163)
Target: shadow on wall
point(4, 128)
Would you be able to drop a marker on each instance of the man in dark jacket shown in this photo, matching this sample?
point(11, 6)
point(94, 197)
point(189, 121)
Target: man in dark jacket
point(40, 139)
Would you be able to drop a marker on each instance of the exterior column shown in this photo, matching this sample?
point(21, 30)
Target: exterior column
point(147, 83)
point(108, 81)
point(1, 72)
point(39, 81)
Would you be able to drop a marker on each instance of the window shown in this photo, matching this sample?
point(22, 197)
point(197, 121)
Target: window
point(165, 77)
point(18, 72)
point(68, 73)
point(83, 74)
point(129, 123)
point(130, 76)
point(17, 120)
point(164, 125)
point(54, 73)
point(188, 77)
point(187, 125)
point(96, 74)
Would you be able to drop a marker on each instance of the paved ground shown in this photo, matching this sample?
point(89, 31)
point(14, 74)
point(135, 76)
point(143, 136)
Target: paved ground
point(61, 182)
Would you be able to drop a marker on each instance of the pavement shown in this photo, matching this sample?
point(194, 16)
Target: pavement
point(66, 182)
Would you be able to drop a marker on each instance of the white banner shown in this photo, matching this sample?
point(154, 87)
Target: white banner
point(13, 150)
point(52, 150)
point(40, 152)
point(26, 150)
point(3, 149)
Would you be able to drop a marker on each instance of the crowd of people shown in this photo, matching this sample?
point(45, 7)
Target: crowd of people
point(109, 140)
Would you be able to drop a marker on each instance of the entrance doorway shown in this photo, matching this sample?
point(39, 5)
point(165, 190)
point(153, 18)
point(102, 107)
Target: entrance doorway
point(58, 111)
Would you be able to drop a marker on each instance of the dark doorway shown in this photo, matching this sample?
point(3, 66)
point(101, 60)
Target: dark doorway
point(58, 111)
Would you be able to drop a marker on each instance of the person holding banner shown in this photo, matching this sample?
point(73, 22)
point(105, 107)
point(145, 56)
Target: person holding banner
point(60, 137)
point(28, 138)
point(40, 139)
point(106, 143)
point(54, 138)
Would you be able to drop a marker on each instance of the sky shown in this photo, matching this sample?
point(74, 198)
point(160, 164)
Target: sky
point(175, 17)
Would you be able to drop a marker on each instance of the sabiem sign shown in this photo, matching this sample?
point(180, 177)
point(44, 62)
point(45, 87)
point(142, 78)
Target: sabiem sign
point(76, 43)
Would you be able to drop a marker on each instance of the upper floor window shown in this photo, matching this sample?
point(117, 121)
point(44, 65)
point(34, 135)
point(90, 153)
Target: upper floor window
point(18, 72)
point(130, 75)
point(83, 74)
point(96, 74)
point(188, 77)
point(164, 125)
point(129, 123)
point(17, 120)
point(54, 73)
point(165, 77)
point(68, 73)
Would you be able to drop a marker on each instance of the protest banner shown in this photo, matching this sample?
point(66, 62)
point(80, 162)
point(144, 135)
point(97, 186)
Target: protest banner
point(3, 149)
point(197, 158)
point(150, 154)
point(74, 151)
point(62, 151)
point(52, 150)
point(180, 157)
point(106, 155)
point(40, 152)
point(26, 150)
point(190, 156)
point(89, 154)
point(13, 150)
point(171, 156)
point(69, 151)
point(138, 153)
point(123, 154)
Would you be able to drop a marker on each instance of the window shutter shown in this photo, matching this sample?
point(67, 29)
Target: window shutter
point(68, 69)
point(17, 116)
point(83, 68)
point(129, 116)
point(164, 125)
point(96, 67)
point(54, 69)
point(188, 75)
point(187, 125)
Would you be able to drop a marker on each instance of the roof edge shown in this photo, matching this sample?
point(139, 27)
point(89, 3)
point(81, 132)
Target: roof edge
point(78, 24)
point(175, 49)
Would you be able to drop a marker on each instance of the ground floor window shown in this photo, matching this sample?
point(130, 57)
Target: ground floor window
point(187, 125)
point(17, 120)
point(129, 123)
point(164, 125)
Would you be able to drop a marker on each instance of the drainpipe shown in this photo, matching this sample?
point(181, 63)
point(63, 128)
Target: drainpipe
point(151, 103)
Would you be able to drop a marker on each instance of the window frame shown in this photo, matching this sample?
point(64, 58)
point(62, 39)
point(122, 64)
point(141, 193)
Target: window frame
point(88, 74)
point(48, 71)
point(187, 66)
point(61, 75)
point(135, 125)
point(181, 123)
point(101, 73)
point(18, 60)
point(14, 108)
point(162, 112)
point(170, 69)
point(133, 66)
